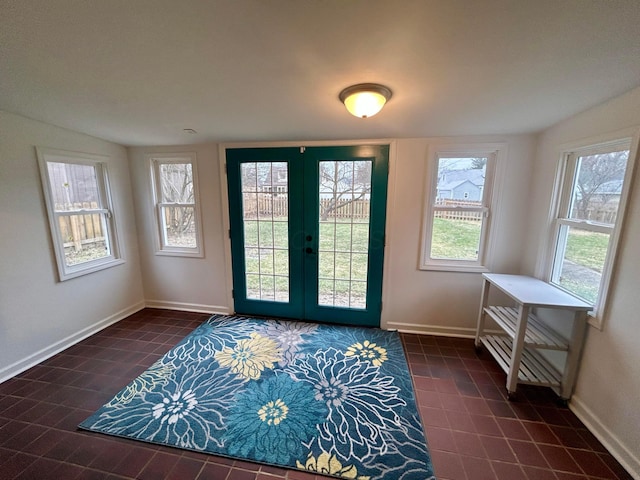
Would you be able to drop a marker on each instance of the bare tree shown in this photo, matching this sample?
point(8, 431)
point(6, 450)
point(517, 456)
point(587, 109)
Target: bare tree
point(478, 163)
point(599, 179)
point(342, 183)
point(177, 187)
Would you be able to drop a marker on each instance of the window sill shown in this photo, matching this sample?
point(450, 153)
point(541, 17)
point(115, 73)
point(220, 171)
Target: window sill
point(180, 253)
point(455, 268)
point(73, 272)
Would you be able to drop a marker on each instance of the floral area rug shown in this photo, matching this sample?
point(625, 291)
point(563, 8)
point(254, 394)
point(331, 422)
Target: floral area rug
point(326, 399)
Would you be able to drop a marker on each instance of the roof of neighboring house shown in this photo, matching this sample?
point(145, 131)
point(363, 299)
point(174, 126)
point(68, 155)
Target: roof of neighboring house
point(455, 178)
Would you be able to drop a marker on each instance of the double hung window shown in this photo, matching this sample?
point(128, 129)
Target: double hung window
point(176, 204)
point(593, 190)
point(458, 210)
point(76, 192)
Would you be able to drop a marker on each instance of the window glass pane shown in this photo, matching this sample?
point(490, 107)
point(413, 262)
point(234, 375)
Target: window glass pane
point(73, 186)
point(598, 186)
point(461, 181)
point(455, 235)
point(83, 238)
point(176, 183)
point(582, 262)
point(179, 227)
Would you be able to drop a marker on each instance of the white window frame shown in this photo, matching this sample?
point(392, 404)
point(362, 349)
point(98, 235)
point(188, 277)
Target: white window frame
point(565, 180)
point(161, 248)
point(495, 153)
point(105, 210)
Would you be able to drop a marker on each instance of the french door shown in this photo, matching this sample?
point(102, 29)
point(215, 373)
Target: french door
point(307, 231)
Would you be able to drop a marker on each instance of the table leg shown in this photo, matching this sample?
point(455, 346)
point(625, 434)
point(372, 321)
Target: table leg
point(481, 315)
point(516, 352)
point(573, 355)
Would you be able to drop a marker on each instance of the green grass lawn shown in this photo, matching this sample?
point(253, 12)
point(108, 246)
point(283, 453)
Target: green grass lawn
point(587, 248)
point(342, 256)
point(455, 239)
point(343, 247)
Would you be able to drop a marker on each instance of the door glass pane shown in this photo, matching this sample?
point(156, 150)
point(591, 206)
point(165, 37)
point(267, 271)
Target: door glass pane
point(598, 186)
point(343, 245)
point(265, 210)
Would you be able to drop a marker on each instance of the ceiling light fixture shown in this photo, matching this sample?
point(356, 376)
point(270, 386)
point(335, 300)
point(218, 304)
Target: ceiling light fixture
point(365, 99)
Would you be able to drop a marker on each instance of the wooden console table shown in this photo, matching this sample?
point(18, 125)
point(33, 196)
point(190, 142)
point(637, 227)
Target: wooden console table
point(516, 349)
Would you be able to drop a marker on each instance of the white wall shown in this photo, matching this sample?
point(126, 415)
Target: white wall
point(608, 388)
point(447, 302)
point(414, 299)
point(38, 314)
point(195, 284)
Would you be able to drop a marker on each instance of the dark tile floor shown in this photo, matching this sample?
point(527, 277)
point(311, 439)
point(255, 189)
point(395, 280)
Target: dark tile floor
point(474, 433)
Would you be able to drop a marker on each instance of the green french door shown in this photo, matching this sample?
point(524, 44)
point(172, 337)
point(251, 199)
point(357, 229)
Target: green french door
point(307, 231)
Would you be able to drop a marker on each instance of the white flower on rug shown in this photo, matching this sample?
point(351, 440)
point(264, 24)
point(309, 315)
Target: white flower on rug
point(187, 411)
point(175, 407)
point(363, 404)
point(157, 374)
point(289, 337)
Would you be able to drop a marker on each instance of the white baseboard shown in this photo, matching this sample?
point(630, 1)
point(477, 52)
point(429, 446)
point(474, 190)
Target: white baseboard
point(459, 332)
point(629, 460)
point(188, 307)
point(35, 358)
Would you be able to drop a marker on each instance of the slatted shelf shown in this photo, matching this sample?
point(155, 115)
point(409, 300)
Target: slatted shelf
point(534, 368)
point(537, 335)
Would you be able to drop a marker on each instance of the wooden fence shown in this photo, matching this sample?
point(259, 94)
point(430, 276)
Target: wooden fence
point(455, 214)
point(266, 205)
point(80, 230)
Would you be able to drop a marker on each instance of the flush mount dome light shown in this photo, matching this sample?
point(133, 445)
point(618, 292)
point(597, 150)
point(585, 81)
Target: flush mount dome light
point(365, 99)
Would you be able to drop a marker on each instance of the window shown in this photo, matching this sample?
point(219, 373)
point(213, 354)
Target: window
point(176, 204)
point(459, 203)
point(76, 192)
point(594, 183)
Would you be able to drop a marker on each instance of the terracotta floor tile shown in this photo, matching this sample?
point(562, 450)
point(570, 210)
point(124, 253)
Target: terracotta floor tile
point(448, 465)
point(513, 428)
point(498, 448)
point(469, 444)
point(540, 433)
point(591, 463)
point(559, 458)
point(508, 471)
point(486, 425)
point(441, 439)
point(527, 453)
point(477, 468)
point(473, 431)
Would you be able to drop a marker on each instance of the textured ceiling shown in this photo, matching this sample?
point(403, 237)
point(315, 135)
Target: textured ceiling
point(138, 72)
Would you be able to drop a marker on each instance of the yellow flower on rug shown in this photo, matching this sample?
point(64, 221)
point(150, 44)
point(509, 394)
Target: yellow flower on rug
point(157, 374)
point(329, 465)
point(368, 351)
point(250, 356)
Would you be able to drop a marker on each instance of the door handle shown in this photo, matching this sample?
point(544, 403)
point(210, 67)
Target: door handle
point(309, 250)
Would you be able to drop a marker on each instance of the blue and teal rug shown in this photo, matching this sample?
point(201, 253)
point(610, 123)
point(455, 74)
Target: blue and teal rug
point(331, 400)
